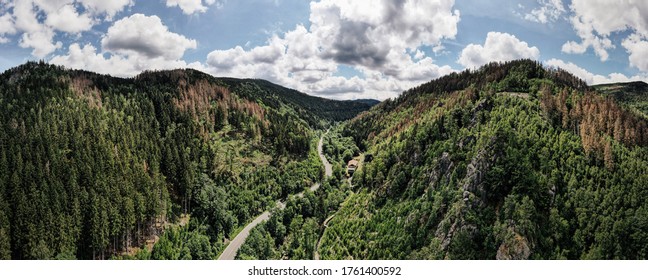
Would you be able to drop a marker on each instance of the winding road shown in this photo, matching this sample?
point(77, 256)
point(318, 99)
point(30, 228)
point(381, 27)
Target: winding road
point(230, 251)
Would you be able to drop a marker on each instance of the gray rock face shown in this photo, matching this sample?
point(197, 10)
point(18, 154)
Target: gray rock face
point(475, 171)
point(517, 248)
point(443, 167)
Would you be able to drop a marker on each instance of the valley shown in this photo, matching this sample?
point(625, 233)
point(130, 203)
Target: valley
point(513, 160)
point(230, 251)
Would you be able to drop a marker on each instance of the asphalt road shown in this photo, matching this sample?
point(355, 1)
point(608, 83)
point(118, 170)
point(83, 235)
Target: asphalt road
point(230, 251)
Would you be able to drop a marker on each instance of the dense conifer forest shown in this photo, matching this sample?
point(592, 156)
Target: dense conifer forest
point(96, 167)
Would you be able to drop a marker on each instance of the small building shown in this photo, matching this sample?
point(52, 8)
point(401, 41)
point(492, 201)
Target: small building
point(351, 167)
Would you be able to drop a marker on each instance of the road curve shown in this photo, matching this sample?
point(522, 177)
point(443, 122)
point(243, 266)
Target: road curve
point(230, 251)
point(328, 169)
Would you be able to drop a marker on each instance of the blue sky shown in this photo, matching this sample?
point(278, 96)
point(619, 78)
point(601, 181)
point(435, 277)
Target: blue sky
point(332, 48)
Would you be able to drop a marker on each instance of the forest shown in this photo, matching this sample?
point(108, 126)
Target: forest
point(295, 232)
point(510, 161)
point(513, 160)
point(165, 165)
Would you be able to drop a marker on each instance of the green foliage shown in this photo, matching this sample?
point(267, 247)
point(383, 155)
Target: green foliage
point(91, 165)
point(258, 246)
point(294, 232)
point(479, 165)
point(182, 244)
point(633, 95)
point(339, 149)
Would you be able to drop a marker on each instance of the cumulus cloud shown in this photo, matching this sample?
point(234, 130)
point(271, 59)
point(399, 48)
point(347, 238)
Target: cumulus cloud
point(595, 20)
point(6, 27)
point(498, 47)
point(67, 19)
point(40, 41)
point(548, 11)
point(593, 79)
point(364, 32)
point(228, 59)
point(378, 38)
point(107, 8)
point(145, 36)
point(189, 7)
point(87, 57)
point(638, 50)
point(38, 21)
point(130, 46)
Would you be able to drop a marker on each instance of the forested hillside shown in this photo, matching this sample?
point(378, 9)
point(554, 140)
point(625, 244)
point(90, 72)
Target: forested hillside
point(510, 161)
point(92, 166)
point(633, 95)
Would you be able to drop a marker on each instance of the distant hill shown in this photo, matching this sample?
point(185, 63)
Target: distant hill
point(370, 102)
point(307, 106)
point(633, 94)
point(92, 165)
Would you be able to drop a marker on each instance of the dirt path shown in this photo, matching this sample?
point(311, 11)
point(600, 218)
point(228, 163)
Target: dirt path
point(230, 251)
point(319, 241)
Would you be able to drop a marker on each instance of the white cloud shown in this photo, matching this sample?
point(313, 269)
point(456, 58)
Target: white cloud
point(67, 19)
point(498, 47)
point(595, 20)
point(40, 41)
point(364, 32)
point(132, 45)
point(378, 38)
point(6, 27)
point(638, 50)
point(189, 7)
point(88, 58)
point(37, 21)
point(549, 11)
point(593, 79)
point(107, 8)
point(35, 35)
point(145, 36)
point(25, 16)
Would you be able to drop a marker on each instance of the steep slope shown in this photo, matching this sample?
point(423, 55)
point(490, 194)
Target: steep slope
point(92, 165)
point(511, 161)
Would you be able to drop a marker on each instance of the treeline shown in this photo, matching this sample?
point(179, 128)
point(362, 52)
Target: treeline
point(92, 165)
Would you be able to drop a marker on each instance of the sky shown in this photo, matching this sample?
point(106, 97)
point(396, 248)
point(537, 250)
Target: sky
point(331, 48)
